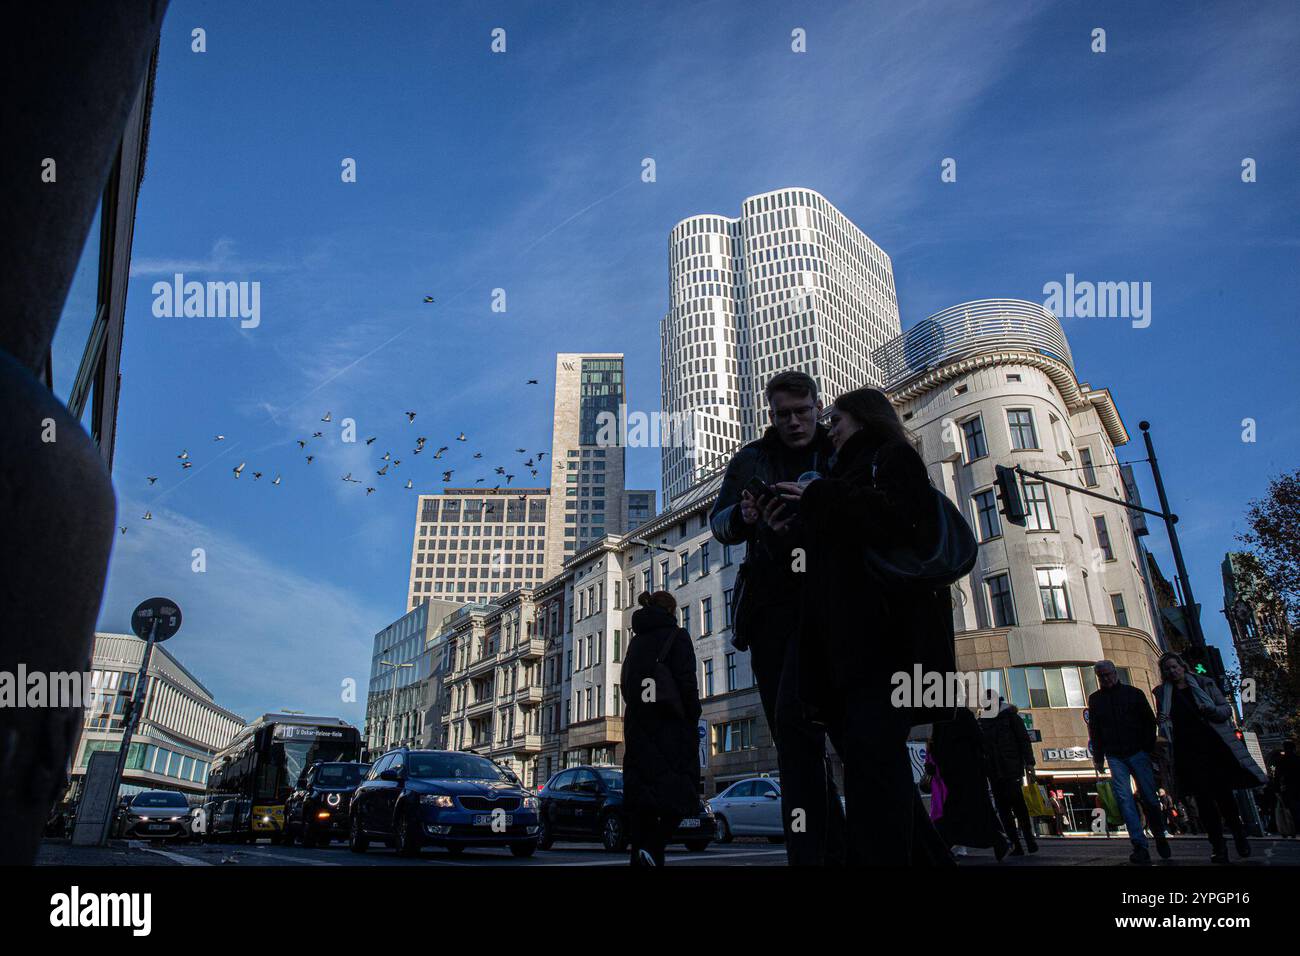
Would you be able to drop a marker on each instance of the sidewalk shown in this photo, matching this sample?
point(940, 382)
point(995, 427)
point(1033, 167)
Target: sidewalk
point(60, 852)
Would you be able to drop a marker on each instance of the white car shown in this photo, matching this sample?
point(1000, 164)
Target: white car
point(749, 807)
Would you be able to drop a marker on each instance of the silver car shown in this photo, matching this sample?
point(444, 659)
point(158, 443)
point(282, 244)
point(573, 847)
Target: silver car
point(749, 807)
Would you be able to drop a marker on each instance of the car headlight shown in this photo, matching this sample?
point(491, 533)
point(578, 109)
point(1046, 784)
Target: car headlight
point(332, 799)
point(530, 803)
point(708, 807)
point(436, 800)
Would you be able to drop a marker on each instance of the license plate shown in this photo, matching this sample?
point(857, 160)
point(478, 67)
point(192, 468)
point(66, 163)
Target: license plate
point(485, 819)
point(691, 822)
point(158, 826)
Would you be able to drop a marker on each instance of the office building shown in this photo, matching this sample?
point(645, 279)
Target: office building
point(403, 698)
point(789, 284)
point(180, 728)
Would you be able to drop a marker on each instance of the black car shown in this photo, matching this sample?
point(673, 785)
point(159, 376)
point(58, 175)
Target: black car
point(156, 815)
point(416, 798)
point(317, 810)
point(586, 804)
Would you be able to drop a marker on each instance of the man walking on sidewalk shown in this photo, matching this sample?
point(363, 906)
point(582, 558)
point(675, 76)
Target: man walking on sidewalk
point(1123, 731)
point(1010, 756)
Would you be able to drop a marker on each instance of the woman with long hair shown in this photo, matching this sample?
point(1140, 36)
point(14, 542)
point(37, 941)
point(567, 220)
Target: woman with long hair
point(661, 713)
point(855, 635)
point(1209, 761)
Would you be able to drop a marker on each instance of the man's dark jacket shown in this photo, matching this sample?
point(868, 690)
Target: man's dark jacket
point(766, 582)
point(1120, 722)
point(1007, 743)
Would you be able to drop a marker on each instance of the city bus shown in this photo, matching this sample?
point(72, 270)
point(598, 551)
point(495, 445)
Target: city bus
point(251, 778)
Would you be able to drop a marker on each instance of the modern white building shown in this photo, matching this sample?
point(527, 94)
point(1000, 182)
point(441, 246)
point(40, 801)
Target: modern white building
point(789, 284)
point(180, 728)
point(992, 382)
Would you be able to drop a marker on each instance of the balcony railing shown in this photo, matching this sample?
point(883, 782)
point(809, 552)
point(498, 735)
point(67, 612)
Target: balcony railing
point(528, 695)
point(972, 328)
point(479, 707)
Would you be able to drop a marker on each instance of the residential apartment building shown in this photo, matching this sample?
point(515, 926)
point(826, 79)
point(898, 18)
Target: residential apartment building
point(1262, 637)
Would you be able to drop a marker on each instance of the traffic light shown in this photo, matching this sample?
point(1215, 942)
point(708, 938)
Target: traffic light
point(1010, 504)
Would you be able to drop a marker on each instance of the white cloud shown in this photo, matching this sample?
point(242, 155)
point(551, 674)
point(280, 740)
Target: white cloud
point(261, 637)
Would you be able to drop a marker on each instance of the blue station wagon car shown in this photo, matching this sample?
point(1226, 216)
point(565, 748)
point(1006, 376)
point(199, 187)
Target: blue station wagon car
point(416, 798)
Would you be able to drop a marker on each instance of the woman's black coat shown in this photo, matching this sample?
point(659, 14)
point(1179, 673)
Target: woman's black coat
point(856, 632)
point(661, 763)
point(957, 749)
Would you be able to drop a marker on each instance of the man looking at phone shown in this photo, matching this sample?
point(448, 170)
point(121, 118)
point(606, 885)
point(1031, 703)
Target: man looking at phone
point(768, 598)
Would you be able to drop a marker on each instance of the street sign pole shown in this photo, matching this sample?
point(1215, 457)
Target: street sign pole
point(162, 618)
point(137, 703)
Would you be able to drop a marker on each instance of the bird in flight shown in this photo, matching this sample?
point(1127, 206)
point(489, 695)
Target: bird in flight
point(509, 478)
point(326, 418)
point(500, 470)
point(151, 478)
point(370, 441)
point(438, 453)
point(388, 456)
point(521, 451)
point(187, 464)
point(479, 481)
point(183, 455)
point(540, 454)
point(409, 483)
point(257, 475)
point(310, 459)
point(446, 476)
point(382, 471)
point(429, 298)
point(461, 437)
point(370, 491)
point(220, 438)
point(534, 472)
point(348, 477)
point(410, 417)
point(147, 516)
point(301, 443)
point(532, 381)
point(276, 481)
point(238, 469)
point(316, 434)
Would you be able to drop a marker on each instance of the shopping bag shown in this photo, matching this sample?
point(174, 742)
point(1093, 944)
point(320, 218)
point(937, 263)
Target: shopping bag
point(1036, 800)
point(1106, 794)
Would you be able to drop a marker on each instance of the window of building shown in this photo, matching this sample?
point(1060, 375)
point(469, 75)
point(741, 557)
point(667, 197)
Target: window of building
point(1038, 507)
point(1053, 594)
point(1117, 608)
point(1023, 434)
point(1086, 466)
point(973, 433)
point(1103, 537)
point(1002, 607)
point(731, 671)
point(684, 577)
point(708, 677)
point(986, 515)
point(706, 613)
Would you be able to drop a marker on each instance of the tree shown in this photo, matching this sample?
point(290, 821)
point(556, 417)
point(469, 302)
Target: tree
point(1273, 562)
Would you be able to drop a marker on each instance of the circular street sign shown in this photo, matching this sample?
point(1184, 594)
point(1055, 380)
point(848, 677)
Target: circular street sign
point(162, 610)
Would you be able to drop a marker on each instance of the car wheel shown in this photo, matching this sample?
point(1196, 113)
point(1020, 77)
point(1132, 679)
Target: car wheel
point(611, 834)
point(545, 838)
point(527, 848)
point(408, 835)
point(697, 846)
point(724, 830)
point(357, 840)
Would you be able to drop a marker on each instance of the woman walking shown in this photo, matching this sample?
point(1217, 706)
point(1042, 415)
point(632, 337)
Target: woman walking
point(1209, 761)
point(856, 632)
point(661, 762)
point(967, 817)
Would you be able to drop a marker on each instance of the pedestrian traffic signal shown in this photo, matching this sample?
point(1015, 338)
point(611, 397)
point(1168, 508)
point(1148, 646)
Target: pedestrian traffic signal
point(1010, 504)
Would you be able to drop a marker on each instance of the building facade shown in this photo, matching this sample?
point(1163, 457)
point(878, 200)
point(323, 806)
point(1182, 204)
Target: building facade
point(991, 383)
point(1263, 639)
point(180, 728)
point(789, 284)
point(403, 686)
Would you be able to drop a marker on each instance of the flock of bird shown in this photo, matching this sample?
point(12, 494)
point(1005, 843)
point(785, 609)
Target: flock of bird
point(386, 464)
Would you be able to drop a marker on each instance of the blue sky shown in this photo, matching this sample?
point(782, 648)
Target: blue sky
point(521, 171)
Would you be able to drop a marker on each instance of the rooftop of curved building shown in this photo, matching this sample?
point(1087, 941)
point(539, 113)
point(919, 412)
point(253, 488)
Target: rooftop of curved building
point(770, 192)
